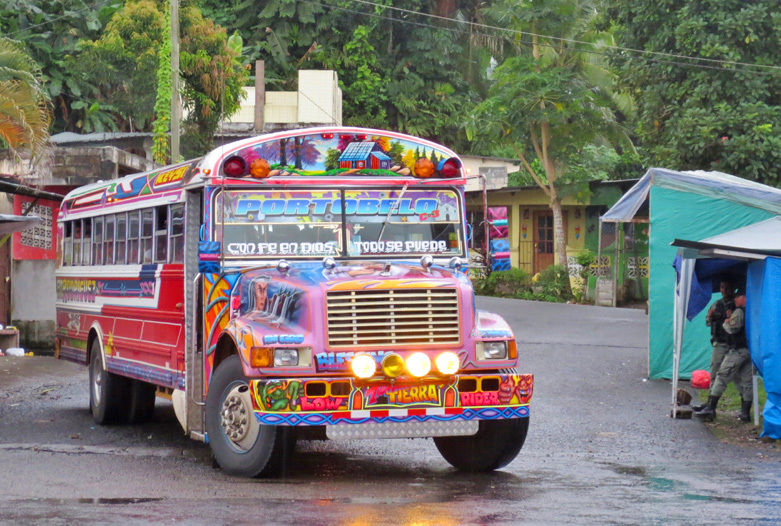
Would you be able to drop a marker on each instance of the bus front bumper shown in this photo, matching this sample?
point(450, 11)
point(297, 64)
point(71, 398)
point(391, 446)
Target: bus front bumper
point(446, 402)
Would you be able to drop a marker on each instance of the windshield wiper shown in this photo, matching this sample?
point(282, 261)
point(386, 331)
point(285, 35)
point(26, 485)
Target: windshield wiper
point(395, 206)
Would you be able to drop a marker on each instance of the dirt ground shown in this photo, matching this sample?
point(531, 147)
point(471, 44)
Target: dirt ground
point(729, 429)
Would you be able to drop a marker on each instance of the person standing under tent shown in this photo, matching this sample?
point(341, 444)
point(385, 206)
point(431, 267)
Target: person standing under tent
point(735, 367)
point(715, 319)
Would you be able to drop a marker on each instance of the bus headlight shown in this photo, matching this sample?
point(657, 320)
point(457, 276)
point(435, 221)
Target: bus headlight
point(285, 357)
point(495, 350)
point(363, 366)
point(448, 363)
point(418, 364)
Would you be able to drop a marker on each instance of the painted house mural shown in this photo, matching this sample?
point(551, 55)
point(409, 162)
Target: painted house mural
point(364, 154)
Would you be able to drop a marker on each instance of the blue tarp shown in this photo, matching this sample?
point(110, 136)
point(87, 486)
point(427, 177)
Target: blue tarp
point(763, 327)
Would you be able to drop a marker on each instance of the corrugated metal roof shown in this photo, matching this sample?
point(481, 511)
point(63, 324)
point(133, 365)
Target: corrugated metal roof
point(70, 137)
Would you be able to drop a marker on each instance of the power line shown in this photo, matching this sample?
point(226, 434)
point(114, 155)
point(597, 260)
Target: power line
point(572, 41)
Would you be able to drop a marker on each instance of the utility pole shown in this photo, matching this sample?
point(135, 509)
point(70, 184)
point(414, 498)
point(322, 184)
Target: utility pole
point(176, 114)
point(260, 95)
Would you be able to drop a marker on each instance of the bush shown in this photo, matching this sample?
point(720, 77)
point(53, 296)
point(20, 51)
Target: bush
point(553, 282)
point(504, 283)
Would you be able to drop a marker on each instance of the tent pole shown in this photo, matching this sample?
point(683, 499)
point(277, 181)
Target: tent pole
point(599, 263)
point(615, 265)
point(681, 307)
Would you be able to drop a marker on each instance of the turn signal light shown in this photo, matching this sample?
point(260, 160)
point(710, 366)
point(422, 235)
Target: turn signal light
point(261, 356)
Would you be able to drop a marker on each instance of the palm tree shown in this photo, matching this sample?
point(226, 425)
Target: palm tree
point(553, 97)
point(24, 108)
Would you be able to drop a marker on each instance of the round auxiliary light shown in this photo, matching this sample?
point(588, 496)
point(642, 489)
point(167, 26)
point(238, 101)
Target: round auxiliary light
point(329, 263)
point(448, 363)
point(456, 263)
point(418, 364)
point(392, 365)
point(426, 261)
point(235, 167)
point(363, 366)
point(449, 168)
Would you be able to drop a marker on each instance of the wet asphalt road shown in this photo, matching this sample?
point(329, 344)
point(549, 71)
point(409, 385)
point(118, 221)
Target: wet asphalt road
point(601, 449)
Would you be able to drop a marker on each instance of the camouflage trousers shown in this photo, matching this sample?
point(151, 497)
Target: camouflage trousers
point(719, 352)
point(735, 367)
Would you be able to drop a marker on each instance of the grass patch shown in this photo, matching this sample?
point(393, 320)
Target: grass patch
point(730, 400)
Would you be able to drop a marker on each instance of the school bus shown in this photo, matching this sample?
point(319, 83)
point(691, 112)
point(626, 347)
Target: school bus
point(305, 284)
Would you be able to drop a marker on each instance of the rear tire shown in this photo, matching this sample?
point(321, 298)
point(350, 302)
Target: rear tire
point(240, 444)
point(142, 402)
point(495, 445)
point(109, 392)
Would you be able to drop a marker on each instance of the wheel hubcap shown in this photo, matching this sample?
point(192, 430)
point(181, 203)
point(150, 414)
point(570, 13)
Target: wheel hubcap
point(97, 384)
point(238, 423)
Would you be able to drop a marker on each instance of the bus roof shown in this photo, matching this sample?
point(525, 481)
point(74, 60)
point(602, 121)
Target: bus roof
point(330, 155)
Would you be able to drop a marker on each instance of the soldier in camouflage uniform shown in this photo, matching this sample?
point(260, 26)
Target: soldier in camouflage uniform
point(735, 367)
point(715, 319)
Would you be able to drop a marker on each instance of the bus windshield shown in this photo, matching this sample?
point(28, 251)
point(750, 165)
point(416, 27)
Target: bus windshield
point(314, 224)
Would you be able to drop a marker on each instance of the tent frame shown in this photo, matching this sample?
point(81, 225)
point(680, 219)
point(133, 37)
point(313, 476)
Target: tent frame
point(689, 255)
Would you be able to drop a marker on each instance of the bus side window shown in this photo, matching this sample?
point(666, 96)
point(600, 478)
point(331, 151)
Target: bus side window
point(86, 248)
point(133, 237)
point(177, 234)
point(108, 245)
point(77, 242)
point(97, 241)
point(147, 227)
point(161, 234)
point(119, 253)
point(67, 243)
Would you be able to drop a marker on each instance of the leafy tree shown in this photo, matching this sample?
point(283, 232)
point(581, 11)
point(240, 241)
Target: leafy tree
point(124, 63)
point(724, 115)
point(552, 100)
point(24, 110)
point(397, 70)
point(51, 30)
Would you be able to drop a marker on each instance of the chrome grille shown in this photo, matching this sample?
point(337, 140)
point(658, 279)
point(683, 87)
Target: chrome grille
point(392, 317)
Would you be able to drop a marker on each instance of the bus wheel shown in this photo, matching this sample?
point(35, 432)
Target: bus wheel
point(495, 445)
point(241, 445)
point(142, 402)
point(109, 392)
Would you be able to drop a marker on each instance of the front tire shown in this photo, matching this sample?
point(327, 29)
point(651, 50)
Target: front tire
point(109, 392)
point(240, 445)
point(496, 444)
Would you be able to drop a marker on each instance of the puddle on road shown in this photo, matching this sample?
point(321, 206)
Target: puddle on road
point(102, 500)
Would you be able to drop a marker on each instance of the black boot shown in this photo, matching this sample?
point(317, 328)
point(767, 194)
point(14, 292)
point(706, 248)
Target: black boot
point(745, 411)
point(699, 406)
point(709, 413)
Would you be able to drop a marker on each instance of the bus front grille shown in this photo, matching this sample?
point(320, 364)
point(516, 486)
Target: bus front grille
point(392, 317)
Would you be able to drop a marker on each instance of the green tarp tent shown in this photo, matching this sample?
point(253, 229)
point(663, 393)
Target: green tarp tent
point(687, 205)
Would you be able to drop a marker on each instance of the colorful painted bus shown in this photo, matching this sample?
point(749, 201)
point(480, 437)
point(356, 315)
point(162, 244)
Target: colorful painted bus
point(305, 284)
